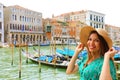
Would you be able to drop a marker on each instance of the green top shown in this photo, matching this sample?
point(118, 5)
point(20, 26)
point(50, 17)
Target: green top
point(93, 70)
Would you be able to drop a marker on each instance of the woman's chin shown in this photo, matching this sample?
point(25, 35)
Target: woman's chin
point(91, 50)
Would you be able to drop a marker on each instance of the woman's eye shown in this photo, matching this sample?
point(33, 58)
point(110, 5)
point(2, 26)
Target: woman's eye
point(89, 39)
point(97, 40)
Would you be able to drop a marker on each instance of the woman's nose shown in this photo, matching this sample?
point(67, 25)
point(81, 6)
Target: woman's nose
point(92, 42)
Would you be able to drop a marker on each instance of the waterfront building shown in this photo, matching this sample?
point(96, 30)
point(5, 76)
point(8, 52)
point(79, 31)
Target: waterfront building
point(88, 17)
point(22, 25)
point(62, 32)
point(1, 24)
point(63, 35)
point(114, 33)
point(79, 19)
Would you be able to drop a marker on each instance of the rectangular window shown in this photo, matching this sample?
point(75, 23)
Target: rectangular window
point(90, 23)
point(0, 37)
point(90, 16)
point(48, 29)
point(0, 25)
point(0, 15)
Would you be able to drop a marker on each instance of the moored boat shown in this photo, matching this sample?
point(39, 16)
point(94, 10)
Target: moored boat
point(117, 56)
point(45, 43)
point(51, 60)
point(70, 52)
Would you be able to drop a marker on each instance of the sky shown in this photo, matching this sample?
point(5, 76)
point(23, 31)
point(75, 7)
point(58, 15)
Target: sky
point(111, 8)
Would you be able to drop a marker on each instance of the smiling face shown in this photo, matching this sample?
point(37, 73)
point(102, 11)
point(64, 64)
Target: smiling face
point(93, 43)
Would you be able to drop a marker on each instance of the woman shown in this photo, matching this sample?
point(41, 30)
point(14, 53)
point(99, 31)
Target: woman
point(98, 64)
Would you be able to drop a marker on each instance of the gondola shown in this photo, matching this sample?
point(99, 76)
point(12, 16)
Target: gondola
point(70, 52)
point(117, 56)
point(50, 60)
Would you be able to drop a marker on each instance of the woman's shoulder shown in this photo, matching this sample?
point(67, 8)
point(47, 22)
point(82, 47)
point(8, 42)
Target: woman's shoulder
point(100, 62)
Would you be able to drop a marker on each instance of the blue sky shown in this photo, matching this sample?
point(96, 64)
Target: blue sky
point(48, 7)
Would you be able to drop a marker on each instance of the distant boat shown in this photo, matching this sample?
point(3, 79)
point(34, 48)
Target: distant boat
point(45, 43)
point(3, 45)
point(30, 44)
point(70, 52)
point(65, 51)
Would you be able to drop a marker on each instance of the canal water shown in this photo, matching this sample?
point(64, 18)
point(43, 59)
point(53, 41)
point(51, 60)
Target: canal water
point(30, 70)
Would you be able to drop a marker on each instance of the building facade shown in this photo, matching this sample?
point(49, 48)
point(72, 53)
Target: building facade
point(114, 33)
point(88, 17)
point(1, 24)
point(63, 32)
point(22, 25)
point(95, 19)
point(78, 19)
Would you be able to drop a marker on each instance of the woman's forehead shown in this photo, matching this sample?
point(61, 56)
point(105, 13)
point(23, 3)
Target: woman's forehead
point(93, 35)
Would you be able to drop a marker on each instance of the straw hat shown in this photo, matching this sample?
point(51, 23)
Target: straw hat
point(85, 31)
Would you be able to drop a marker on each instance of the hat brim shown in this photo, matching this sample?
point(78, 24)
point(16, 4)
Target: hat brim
point(85, 31)
point(106, 37)
point(84, 34)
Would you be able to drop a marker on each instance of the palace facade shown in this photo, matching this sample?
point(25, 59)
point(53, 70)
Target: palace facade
point(22, 25)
